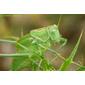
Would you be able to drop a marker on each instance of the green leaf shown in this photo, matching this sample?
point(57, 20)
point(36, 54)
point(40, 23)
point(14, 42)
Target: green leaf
point(81, 68)
point(20, 63)
point(46, 66)
point(69, 60)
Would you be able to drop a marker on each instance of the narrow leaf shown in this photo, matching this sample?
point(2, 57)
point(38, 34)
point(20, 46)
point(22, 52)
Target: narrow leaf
point(69, 60)
point(82, 68)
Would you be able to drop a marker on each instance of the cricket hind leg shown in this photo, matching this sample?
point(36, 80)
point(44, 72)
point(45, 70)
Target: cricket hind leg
point(63, 42)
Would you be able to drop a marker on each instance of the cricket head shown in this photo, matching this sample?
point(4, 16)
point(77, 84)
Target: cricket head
point(55, 35)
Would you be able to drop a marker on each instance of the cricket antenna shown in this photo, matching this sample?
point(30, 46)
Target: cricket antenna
point(59, 20)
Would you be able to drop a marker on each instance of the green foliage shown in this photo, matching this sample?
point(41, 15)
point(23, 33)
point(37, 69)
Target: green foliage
point(81, 68)
point(32, 47)
point(31, 42)
point(69, 60)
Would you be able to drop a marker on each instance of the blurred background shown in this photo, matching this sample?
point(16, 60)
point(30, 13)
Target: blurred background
point(70, 27)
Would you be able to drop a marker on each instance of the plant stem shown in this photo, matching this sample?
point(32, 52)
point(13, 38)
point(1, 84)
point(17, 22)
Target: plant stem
point(14, 55)
point(8, 41)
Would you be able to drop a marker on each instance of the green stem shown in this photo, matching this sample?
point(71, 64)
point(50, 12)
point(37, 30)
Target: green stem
point(14, 42)
point(8, 41)
point(14, 55)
